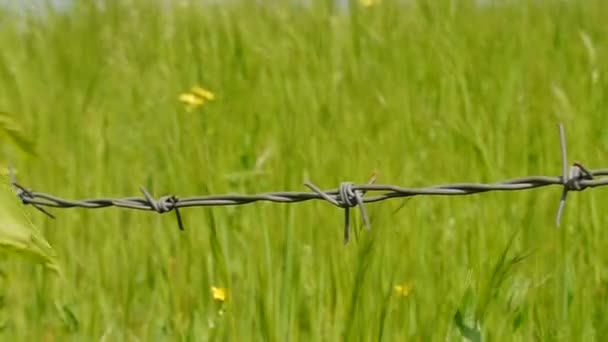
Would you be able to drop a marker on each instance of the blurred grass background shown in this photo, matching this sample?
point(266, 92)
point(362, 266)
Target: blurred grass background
point(427, 92)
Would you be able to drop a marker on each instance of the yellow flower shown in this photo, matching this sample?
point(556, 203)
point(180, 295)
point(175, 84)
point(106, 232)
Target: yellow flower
point(191, 99)
point(202, 93)
point(219, 294)
point(369, 3)
point(196, 97)
point(403, 290)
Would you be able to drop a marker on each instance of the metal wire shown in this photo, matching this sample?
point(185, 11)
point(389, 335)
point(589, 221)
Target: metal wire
point(346, 196)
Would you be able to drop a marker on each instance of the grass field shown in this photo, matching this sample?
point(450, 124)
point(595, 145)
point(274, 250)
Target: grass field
point(427, 93)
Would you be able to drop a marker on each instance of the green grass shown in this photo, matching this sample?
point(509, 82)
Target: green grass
point(431, 93)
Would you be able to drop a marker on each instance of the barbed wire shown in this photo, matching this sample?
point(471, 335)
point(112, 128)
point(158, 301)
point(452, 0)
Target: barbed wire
point(346, 196)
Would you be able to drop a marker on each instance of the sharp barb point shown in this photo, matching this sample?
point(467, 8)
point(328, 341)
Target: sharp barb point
point(180, 223)
point(151, 202)
point(562, 141)
point(346, 225)
point(560, 209)
point(46, 212)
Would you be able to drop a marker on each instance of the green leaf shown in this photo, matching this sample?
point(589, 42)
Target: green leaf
point(68, 317)
point(18, 235)
point(469, 333)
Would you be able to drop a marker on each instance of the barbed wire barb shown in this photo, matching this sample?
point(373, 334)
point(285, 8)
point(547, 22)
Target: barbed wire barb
point(24, 193)
point(565, 176)
point(163, 205)
point(346, 196)
point(571, 179)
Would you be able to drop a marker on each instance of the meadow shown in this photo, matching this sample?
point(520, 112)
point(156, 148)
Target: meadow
point(430, 92)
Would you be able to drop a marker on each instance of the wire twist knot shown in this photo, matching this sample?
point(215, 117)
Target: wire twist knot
point(164, 205)
point(346, 198)
point(577, 174)
point(24, 194)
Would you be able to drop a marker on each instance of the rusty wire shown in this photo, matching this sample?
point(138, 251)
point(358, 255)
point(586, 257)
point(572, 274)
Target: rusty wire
point(346, 196)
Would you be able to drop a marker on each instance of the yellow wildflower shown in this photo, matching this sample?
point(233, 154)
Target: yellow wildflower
point(219, 294)
point(403, 290)
point(369, 3)
point(196, 97)
point(202, 93)
point(191, 99)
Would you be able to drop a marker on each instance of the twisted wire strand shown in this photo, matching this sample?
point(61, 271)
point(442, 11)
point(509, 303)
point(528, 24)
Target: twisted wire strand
point(347, 196)
point(389, 191)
